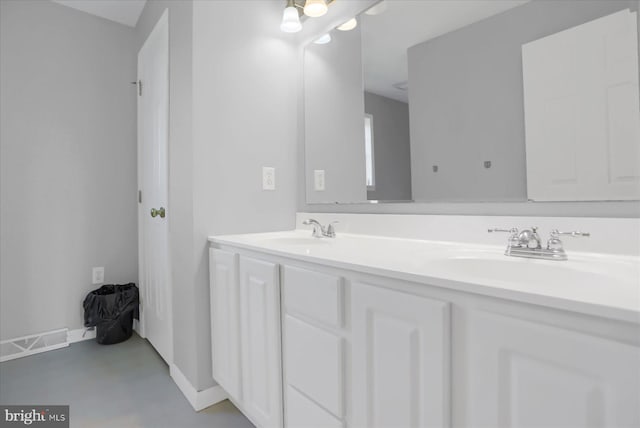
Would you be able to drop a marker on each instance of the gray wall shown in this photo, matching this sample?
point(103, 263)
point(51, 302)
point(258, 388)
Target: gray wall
point(68, 162)
point(391, 148)
point(334, 118)
point(242, 99)
point(466, 97)
point(554, 16)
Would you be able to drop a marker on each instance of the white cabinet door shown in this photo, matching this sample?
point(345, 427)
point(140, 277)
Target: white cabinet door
point(225, 313)
point(260, 342)
point(581, 112)
point(525, 374)
point(400, 367)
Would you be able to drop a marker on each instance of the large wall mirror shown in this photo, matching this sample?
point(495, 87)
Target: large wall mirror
point(475, 101)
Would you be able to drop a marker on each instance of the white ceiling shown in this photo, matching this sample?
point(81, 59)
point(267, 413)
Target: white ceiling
point(405, 23)
point(124, 12)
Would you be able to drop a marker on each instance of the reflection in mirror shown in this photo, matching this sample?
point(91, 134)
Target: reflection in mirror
point(334, 119)
point(425, 101)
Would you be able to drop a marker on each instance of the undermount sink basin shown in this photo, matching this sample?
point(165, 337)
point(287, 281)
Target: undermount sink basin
point(531, 270)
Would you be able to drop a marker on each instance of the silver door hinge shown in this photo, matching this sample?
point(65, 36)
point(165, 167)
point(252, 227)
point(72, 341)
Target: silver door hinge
point(139, 196)
point(138, 84)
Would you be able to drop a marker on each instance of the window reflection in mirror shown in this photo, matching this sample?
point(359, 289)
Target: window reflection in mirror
point(368, 153)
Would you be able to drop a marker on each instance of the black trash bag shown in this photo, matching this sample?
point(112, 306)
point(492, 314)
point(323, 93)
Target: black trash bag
point(111, 309)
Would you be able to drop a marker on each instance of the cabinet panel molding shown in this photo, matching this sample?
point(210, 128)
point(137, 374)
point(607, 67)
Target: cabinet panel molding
point(260, 341)
point(225, 322)
point(531, 374)
point(400, 367)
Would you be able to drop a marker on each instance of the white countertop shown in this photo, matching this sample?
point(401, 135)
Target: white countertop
point(589, 283)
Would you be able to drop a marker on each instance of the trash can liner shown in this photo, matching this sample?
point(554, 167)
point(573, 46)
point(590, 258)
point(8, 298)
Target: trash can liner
point(112, 308)
point(109, 302)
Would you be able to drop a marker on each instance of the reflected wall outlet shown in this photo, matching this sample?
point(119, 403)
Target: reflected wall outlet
point(268, 178)
point(318, 180)
point(98, 275)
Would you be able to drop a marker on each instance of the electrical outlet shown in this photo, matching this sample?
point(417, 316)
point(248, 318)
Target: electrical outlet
point(268, 178)
point(98, 275)
point(318, 180)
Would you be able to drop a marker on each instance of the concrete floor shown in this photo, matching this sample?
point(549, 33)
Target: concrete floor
point(126, 385)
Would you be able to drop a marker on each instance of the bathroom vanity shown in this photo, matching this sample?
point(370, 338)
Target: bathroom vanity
point(428, 320)
point(364, 331)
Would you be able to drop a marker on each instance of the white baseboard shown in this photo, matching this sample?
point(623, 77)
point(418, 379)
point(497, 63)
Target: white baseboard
point(198, 399)
point(74, 336)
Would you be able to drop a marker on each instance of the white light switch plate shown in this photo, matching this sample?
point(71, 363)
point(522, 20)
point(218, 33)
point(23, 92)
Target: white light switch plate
point(318, 180)
point(98, 275)
point(268, 178)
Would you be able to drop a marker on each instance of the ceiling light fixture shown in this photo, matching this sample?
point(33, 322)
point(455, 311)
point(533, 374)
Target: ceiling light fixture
point(323, 40)
point(290, 18)
point(297, 10)
point(349, 25)
point(377, 9)
point(315, 8)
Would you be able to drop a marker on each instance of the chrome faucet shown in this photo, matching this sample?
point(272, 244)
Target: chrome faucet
point(528, 244)
point(530, 239)
point(320, 231)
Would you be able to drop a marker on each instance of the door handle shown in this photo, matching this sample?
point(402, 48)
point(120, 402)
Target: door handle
point(158, 212)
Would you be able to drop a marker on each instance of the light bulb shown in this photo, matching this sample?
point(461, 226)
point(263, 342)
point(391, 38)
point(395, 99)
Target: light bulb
point(290, 20)
point(349, 25)
point(323, 40)
point(315, 8)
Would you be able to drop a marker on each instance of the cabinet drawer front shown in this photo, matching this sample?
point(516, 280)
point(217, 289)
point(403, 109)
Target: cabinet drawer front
point(313, 294)
point(304, 413)
point(313, 364)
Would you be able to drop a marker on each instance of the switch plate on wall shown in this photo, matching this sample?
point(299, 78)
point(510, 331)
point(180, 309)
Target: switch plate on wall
point(98, 275)
point(268, 178)
point(318, 180)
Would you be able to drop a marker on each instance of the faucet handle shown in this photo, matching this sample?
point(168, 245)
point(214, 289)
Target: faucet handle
point(574, 234)
point(497, 229)
point(513, 237)
point(554, 242)
point(330, 231)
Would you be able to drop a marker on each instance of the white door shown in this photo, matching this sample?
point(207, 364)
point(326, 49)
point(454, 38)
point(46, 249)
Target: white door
point(225, 320)
point(153, 131)
point(581, 112)
point(400, 367)
point(260, 342)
